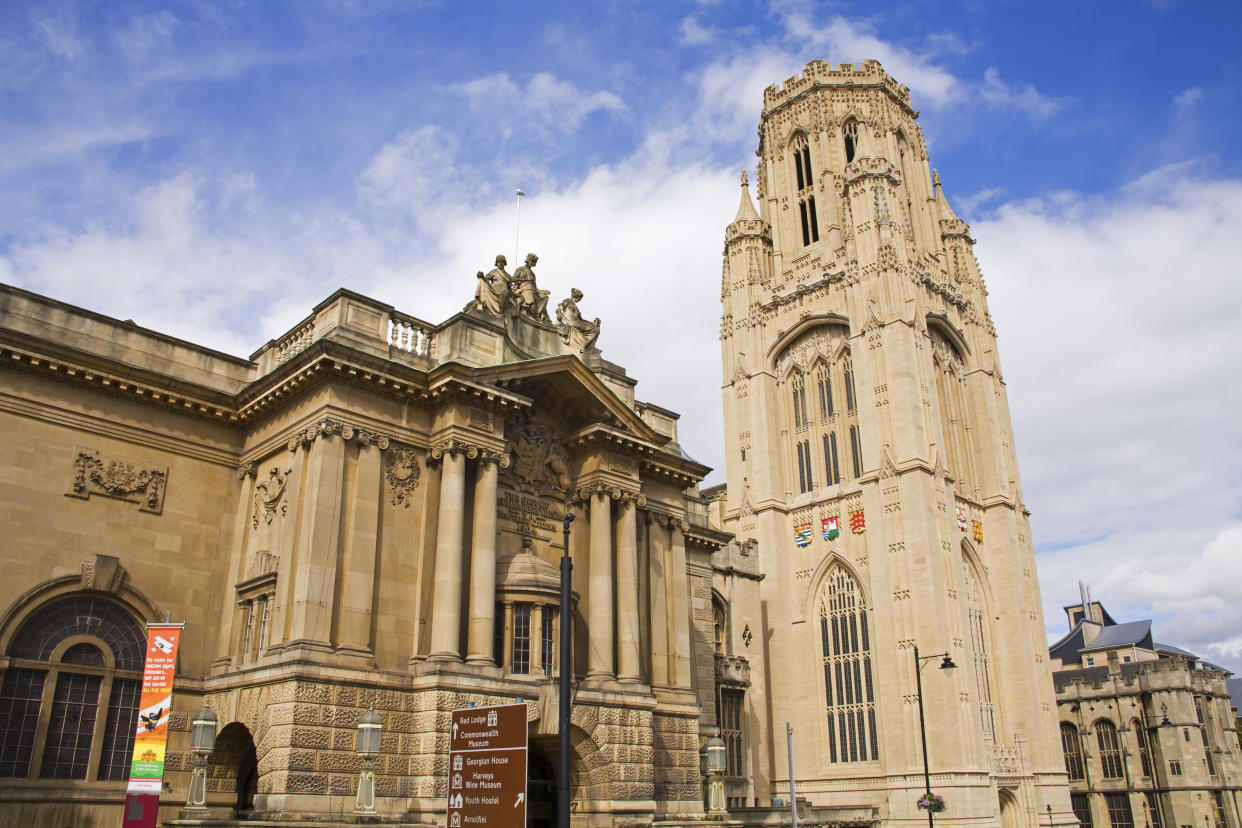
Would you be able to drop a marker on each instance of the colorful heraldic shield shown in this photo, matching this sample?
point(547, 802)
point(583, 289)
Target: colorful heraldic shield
point(802, 534)
point(831, 527)
point(978, 531)
point(146, 772)
point(961, 518)
point(858, 523)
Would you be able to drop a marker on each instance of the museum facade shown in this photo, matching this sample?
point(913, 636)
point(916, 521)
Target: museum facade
point(367, 514)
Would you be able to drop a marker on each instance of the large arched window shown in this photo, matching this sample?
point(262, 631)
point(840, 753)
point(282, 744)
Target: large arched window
point(819, 376)
point(69, 698)
point(849, 695)
point(849, 132)
point(1072, 750)
point(1110, 749)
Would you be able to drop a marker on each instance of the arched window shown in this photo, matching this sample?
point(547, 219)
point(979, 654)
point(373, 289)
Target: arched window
point(1110, 749)
point(1140, 736)
point(849, 696)
point(1072, 750)
point(950, 375)
point(718, 625)
point(849, 131)
point(80, 660)
point(977, 615)
point(819, 375)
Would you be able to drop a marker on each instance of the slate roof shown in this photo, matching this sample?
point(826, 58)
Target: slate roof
point(1129, 634)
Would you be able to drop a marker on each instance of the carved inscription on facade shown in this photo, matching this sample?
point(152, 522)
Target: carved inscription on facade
point(93, 474)
point(530, 516)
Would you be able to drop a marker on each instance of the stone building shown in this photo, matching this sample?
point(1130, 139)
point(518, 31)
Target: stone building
point(366, 512)
point(1147, 729)
point(872, 482)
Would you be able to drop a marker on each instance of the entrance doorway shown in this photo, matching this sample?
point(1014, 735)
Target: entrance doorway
point(540, 786)
point(234, 759)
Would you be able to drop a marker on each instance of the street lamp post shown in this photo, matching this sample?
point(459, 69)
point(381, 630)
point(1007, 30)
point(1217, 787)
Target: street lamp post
point(567, 666)
point(202, 742)
point(946, 664)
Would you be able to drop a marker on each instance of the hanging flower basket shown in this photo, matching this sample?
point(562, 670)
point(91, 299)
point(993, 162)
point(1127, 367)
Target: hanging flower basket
point(931, 802)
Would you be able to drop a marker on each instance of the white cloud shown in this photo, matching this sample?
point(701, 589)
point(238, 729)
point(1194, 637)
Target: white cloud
point(410, 170)
point(545, 105)
point(1028, 99)
point(693, 33)
point(145, 33)
point(1120, 322)
point(57, 27)
point(1187, 100)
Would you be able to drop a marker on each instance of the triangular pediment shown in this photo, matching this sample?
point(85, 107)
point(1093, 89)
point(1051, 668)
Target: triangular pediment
point(566, 388)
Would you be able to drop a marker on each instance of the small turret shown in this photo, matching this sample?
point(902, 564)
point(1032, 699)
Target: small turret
point(746, 209)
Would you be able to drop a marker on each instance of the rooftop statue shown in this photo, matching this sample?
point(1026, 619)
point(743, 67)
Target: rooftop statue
point(524, 296)
point(492, 292)
point(576, 332)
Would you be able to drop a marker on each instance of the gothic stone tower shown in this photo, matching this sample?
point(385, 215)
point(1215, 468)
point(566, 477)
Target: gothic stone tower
point(871, 469)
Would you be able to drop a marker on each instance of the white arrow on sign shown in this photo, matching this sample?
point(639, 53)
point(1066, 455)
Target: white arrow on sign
point(454, 730)
point(520, 797)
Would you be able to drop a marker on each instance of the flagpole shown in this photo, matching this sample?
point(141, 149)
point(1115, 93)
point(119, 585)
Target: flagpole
point(517, 225)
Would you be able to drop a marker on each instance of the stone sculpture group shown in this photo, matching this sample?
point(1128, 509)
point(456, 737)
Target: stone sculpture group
point(500, 293)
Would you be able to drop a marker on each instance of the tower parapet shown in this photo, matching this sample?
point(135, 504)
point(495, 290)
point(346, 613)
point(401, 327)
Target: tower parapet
point(821, 73)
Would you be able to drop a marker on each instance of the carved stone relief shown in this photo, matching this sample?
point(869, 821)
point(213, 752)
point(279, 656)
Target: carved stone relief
point(103, 573)
point(119, 479)
point(269, 496)
point(539, 465)
point(328, 427)
point(402, 475)
point(823, 342)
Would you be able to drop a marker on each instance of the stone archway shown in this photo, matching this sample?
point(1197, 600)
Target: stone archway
point(233, 767)
point(1010, 816)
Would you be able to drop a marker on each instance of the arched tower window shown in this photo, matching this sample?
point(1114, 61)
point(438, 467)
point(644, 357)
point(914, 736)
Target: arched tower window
point(1110, 749)
point(845, 646)
point(955, 425)
point(805, 178)
point(823, 408)
point(1072, 750)
point(69, 698)
point(849, 131)
point(977, 615)
point(718, 626)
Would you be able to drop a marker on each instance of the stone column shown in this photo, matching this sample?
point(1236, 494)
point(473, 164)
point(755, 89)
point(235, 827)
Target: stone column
point(446, 623)
point(627, 590)
point(358, 567)
point(599, 590)
point(318, 538)
point(536, 640)
point(482, 623)
point(659, 600)
point(225, 650)
point(680, 604)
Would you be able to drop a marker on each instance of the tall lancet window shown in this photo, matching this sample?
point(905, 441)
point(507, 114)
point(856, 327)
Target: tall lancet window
point(955, 422)
point(977, 615)
point(845, 646)
point(801, 151)
point(849, 131)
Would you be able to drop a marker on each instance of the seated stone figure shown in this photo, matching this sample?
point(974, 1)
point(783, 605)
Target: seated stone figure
point(492, 292)
point(576, 332)
point(524, 296)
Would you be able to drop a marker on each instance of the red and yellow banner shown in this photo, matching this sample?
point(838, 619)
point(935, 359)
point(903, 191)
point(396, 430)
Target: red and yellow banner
point(146, 770)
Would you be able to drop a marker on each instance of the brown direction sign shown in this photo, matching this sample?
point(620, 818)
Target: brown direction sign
point(487, 767)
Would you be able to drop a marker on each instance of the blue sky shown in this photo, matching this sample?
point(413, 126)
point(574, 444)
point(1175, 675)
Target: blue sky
point(212, 170)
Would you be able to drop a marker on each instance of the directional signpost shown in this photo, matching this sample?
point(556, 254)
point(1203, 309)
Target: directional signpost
point(487, 767)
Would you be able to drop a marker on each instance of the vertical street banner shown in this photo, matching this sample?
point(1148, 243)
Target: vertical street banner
point(146, 771)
